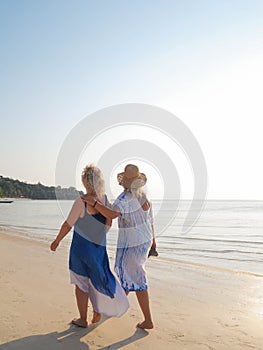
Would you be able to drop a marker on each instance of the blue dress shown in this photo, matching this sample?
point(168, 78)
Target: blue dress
point(89, 266)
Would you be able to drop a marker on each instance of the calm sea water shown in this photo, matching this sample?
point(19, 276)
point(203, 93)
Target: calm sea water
point(228, 234)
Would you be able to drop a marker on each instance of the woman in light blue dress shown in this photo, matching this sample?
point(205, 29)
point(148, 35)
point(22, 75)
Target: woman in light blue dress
point(135, 236)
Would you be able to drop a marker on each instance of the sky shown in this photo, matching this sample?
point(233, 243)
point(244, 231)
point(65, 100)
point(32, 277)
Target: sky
point(201, 60)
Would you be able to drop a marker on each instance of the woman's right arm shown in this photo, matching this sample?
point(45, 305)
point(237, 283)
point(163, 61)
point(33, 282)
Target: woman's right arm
point(64, 230)
point(110, 213)
point(73, 216)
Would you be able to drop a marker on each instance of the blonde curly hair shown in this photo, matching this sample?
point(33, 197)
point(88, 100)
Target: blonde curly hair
point(92, 179)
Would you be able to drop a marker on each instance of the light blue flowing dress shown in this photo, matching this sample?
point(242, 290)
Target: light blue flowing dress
point(134, 241)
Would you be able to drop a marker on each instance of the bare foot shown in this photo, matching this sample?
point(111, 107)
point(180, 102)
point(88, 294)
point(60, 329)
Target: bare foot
point(80, 323)
point(96, 317)
point(145, 325)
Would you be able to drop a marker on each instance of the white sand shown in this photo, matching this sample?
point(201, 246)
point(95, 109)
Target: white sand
point(193, 307)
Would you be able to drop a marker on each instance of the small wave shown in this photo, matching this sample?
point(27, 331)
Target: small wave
point(196, 226)
point(222, 251)
point(23, 227)
point(217, 240)
point(211, 267)
point(225, 258)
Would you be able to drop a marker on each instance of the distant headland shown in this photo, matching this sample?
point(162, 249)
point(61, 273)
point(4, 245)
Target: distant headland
point(10, 188)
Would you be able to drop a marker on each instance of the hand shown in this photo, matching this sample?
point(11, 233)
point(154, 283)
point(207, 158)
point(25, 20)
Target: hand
point(142, 198)
point(54, 245)
point(145, 204)
point(88, 199)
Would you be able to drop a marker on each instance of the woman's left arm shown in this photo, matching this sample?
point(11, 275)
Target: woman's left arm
point(67, 225)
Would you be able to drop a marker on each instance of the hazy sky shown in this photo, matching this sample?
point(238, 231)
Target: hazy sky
point(202, 60)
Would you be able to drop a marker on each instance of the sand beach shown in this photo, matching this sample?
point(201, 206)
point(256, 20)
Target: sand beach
point(194, 307)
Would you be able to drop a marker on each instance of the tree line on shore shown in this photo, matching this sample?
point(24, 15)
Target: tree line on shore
point(17, 189)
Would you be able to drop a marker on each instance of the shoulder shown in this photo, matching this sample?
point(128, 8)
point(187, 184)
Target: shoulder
point(78, 203)
point(121, 197)
point(120, 200)
point(75, 212)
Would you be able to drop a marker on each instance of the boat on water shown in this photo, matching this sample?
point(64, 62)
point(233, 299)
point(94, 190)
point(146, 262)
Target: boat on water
point(6, 201)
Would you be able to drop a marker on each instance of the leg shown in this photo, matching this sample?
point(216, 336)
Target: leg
point(82, 299)
point(96, 317)
point(143, 299)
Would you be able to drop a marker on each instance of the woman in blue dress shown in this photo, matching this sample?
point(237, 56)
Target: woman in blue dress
point(88, 259)
point(135, 236)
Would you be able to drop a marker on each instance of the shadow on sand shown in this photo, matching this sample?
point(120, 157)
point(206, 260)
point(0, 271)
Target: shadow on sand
point(138, 334)
point(67, 340)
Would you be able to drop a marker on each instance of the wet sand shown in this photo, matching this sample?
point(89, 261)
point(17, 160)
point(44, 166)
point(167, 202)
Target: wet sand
point(194, 306)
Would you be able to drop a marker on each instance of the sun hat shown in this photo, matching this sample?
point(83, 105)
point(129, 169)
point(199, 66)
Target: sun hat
point(131, 177)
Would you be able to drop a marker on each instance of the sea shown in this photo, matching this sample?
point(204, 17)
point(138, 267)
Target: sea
point(227, 234)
